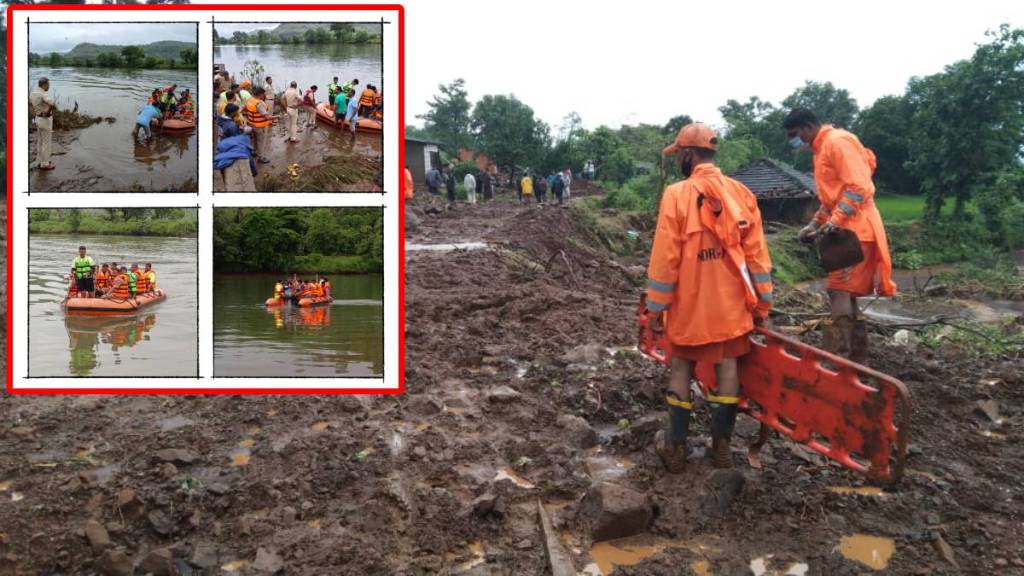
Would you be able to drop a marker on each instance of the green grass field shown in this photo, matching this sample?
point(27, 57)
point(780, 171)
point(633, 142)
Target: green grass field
point(900, 208)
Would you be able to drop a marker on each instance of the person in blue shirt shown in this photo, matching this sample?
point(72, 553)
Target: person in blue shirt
point(352, 113)
point(143, 120)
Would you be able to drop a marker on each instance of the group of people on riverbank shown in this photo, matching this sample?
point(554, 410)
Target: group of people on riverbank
point(294, 289)
point(108, 280)
point(161, 105)
point(244, 116)
point(529, 186)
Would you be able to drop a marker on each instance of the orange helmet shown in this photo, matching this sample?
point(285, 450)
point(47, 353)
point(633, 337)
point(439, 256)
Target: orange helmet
point(694, 135)
point(245, 84)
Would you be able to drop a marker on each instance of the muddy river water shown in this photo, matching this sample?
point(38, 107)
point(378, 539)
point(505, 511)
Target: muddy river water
point(345, 338)
point(104, 157)
point(159, 341)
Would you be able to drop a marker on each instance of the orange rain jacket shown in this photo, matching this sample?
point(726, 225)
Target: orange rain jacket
point(842, 171)
point(710, 273)
point(409, 188)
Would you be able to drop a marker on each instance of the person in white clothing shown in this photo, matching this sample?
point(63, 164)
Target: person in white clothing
point(42, 106)
point(470, 184)
point(567, 178)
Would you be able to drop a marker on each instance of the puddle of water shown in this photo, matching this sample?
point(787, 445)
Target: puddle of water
point(760, 567)
point(859, 490)
point(319, 426)
point(236, 566)
point(247, 443)
point(240, 457)
point(445, 247)
point(701, 567)
point(607, 468)
point(174, 423)
point(507, 474)
point(871, 551)
point(5, 485)
point(624, 552)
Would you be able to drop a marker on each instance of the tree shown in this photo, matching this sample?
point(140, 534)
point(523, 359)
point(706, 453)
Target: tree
point(342, 31)
point(151, 63)
point(74, 219)
point(262, 37)
point(448, 119)
point(968, 122)
point(56, 60)
point(506, 130)
point(885, 128)
point(133, 56)
point(675, 123)
point(188, 56)
point(830, 104)
point(216, 37)
point(760, 120)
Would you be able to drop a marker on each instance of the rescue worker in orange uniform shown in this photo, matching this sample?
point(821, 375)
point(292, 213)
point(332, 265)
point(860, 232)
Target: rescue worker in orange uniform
point(842, 172)
point(409, 188)
point(708, 283)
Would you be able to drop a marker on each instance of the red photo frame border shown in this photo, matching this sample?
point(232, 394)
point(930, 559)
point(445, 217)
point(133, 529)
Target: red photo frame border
point(400, 124)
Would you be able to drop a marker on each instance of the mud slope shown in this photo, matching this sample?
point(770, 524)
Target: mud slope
point(521, 387)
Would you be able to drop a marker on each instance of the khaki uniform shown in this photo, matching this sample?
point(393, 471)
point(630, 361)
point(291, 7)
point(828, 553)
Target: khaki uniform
point(40, 100)
point(262, 135)
point(292, 101)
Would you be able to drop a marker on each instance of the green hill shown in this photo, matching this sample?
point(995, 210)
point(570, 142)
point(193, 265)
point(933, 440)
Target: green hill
point(164, 49)
point(289, 29)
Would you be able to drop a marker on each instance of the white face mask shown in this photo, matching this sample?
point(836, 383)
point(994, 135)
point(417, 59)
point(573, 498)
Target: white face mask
point(796, 143)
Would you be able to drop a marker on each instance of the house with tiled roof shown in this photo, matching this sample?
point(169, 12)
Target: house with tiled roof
point(784, 194)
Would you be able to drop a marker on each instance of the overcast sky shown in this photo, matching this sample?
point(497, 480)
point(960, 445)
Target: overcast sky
point(45, 38)
point(646, 61)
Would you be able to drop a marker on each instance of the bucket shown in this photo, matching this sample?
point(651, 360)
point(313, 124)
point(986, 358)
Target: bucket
point(838, 249)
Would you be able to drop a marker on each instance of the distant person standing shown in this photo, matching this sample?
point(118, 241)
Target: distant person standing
point(488, 185)
point(557, 188)
point(243, 91)
point(83, 267)
point(469, 182)
point(433, 181)
point(480, 182)
point(271, 97)
point(309, 105)
point(332, 90)
point(540, 187)
point(41, 107)
point(352, 112)
point(526, 185)
point(410, 188)
point(567, 176)
point(450, 185)
point(292, 101)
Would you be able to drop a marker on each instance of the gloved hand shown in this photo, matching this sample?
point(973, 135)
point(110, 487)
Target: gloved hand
point(807, 233)
point(827, 228)
point(655, 322)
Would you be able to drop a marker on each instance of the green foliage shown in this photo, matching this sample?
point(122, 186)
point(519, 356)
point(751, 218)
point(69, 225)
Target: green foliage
point(909, 260)
point(507, 131)
point(448, 119)
point(792, 261)
point(830, 104)
point(463, 168)
point(253, 72)
point(189, 56)
point(291, 33)
point(298, 239)
point(133, 56)
point(179, 222)
point(899, 208)
point(885, 128)
point(1013, 226)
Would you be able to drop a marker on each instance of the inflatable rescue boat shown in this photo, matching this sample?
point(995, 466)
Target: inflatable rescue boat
point(303, 302)
point(324, 113)
point(174, 126)
point(99, 306)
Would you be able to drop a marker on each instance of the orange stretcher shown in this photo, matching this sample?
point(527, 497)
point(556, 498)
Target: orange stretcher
point(844, 411)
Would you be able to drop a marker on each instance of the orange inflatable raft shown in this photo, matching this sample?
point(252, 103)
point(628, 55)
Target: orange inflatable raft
point(303, 302)
point(99, 306)
point(174, 126)
point(325, 114)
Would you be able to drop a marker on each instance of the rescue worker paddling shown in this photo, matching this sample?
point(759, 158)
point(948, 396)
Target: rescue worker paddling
point(842, 172)
point(709, 283)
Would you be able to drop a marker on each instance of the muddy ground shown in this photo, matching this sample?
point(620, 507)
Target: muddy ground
point(521, 387)
point(326, 160)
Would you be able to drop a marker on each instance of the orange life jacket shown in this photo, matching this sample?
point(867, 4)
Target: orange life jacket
point(367, 98)
point(74, 285)
point(141, 283)
point(378, 99)
point(121, 292)
point(102, 280)
point(253, 115)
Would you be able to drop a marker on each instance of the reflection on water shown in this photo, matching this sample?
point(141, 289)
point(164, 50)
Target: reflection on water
point(89, 345)
point(104, 157)
point(87, 333)
point(344, 338)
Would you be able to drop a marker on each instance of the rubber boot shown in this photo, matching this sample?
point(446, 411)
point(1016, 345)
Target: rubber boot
point(859, 341)
point(723, 419)
point(836, 334)
point(671, 446)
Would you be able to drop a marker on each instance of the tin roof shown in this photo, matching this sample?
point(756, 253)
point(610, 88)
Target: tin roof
point(768, 178)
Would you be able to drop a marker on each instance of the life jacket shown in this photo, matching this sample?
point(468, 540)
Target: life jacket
point(141, 283)
point(367, 98)
point(167, 98)
point(278, 289)
point(332, 88)
point(151, 276)
point(102, 280)
point(132, 279)
point(121, 292)
point(378, 99)
point(309, 98)
point(318, 291)
point(83, 267)
point(252, 114)
point(74, 286)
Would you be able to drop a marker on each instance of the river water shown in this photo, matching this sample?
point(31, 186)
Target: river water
point(104, 157)
point(160, 341)
point(308, 65)
point(343, 339)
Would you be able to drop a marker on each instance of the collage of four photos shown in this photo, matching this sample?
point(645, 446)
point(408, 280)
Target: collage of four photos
point(295, 107)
